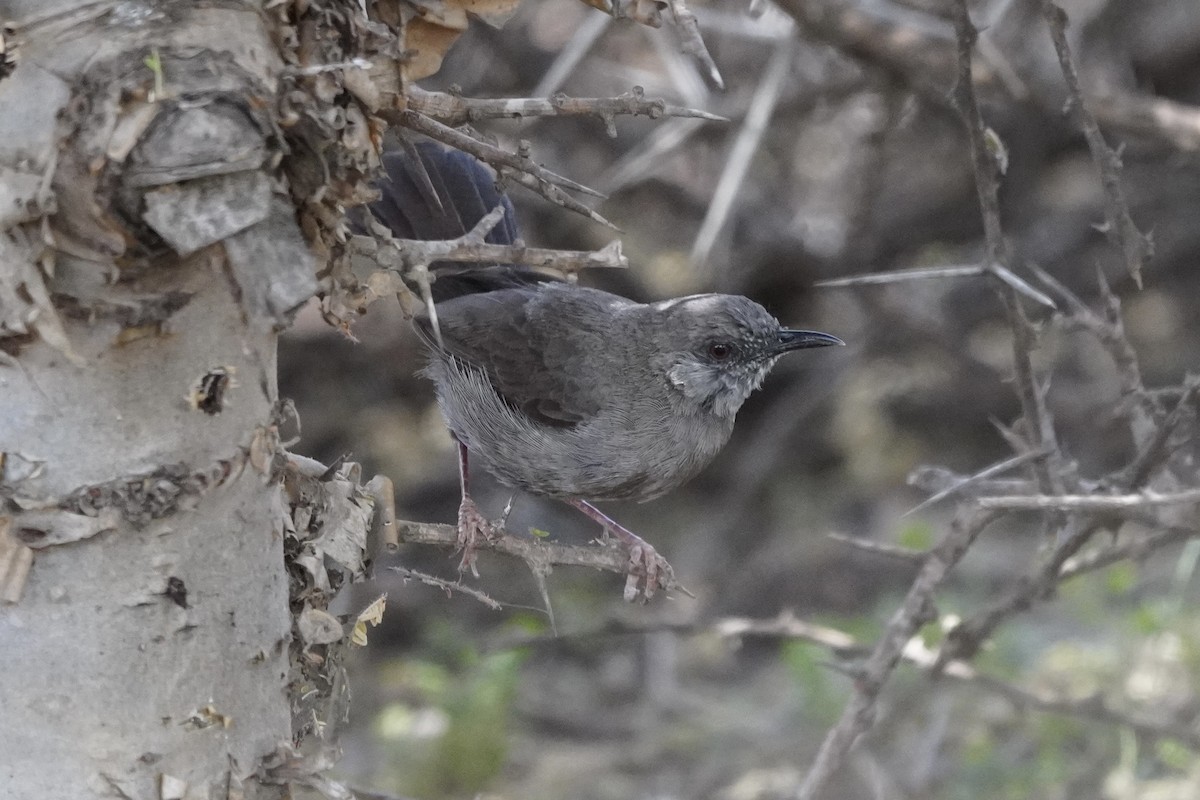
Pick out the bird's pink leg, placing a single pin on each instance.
(646, 566)
(472, 524)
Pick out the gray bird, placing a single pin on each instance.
(575, 393)
(579, 394)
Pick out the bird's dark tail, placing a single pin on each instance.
(458, 192)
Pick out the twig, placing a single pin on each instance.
(517, 168)
(448, 586)
(581, 42)
(978, 477)
(567, 262)
(450, 109)
(899, 275)
(762, 105)
(1109, 330)
(844, 646)
(693, 42)
(880, 548)
(540, 555)
(916, 653)
(383, 492)
(998, 271)
(917, 609)
(1088, 502)
(918, 48)
(412, 258)
(1137, 548)
(1041, 431)
(1156, 450)
(1173, 123)
(1136, 247)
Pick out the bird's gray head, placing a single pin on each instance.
(720, 347)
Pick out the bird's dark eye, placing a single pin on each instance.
(720, 350)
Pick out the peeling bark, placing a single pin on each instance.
(149, 251)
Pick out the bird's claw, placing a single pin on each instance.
(648, 572)
(472, 526)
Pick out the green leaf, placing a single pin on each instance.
(916, 536)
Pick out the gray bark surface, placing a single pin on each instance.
(144, 610)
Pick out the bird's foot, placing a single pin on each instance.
(473, 526)
(648, 571)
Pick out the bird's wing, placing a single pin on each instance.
(534, 343)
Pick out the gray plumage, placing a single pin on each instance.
(570, 392)
(573, 392)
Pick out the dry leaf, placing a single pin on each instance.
(371, 615)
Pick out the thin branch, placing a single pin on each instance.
(1041, 431)
(978, 477)
(917, 609)
(1109, 330)
(693, 42)
(1136, 548)
(516, 167)
(412, 258)
(844, 646)
(1089, 502)
(899, 275)
(881, 548)
(999, 271)
(762, 106)
(1156, 451)
(452, 109)
(1168, 121)
(1136, 247)
(919, 655)
(573, 52)
(539, 554)
(449, 587)
(403, 255)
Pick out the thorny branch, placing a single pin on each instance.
(848, 649)
(917, 609)
(918, 48)
(540, 555)
(399, 260)
(1040, 430)
(1075, 511)
(1135, 246)
(454, 109)
(517, 167)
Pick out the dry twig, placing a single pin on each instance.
(1135, 246)
(762, 105)
(517, 167)
(453, 109)
(540, 555)
(917, 609)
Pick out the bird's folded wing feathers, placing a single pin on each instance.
(530, 343)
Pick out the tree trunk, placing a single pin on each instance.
(148, 254)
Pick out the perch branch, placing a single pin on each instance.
(539, 554)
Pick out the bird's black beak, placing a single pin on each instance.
(801, 340)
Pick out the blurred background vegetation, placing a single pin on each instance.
(862, 167)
